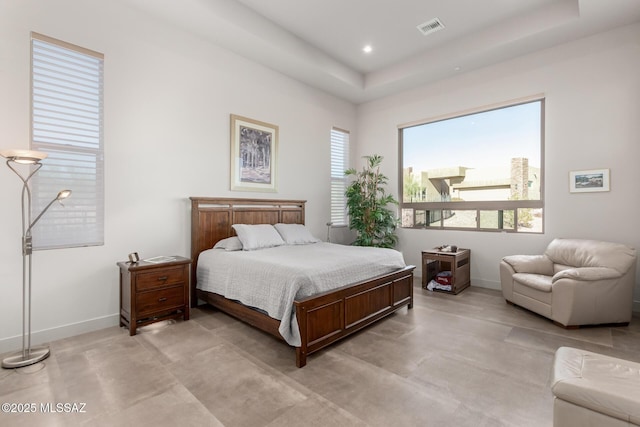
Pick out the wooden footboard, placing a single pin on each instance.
(330, 316)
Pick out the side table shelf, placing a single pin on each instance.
(458, 263)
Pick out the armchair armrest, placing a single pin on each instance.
(534, 264)
(587, 274)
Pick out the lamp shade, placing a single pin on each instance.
(26, 157)
(63, 194)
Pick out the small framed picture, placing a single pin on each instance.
(588, 181)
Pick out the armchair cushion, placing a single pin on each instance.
(540, 282)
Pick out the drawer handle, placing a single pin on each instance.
(162, 299)
(163, 278)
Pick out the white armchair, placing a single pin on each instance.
(575, 282)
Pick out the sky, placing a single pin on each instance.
(481, 140)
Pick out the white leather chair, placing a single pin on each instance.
(594, 390)
(575, 282)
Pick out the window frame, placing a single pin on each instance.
(500, 206)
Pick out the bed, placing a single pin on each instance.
(322, 318)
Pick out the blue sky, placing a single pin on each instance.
(484, 139)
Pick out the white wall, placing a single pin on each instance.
(168, 97)
(592, 94)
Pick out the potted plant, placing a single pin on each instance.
(367, 203)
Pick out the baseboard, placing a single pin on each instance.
(486, 284)
(60, 332)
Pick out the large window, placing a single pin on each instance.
(477, 171)
(339, 163)
(66, 111)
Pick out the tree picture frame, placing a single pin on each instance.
(254, 149)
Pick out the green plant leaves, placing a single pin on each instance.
(367, 203)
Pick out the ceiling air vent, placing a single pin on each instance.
(430, 26)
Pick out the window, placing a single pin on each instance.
(339, 163)
(477, 171)
(66, 111)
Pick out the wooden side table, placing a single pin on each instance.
(458, 263)
(150, 292)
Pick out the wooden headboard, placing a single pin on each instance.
(212, 218)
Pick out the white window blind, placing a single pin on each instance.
(339, 163)
(67, 112)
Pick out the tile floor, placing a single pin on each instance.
(453, 360)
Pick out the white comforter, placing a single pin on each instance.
(270, 279)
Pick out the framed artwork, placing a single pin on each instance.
(254, 150)
(589, 181)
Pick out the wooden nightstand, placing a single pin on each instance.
(151, 292)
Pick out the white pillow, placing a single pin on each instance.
(257, 236)
(229, 244)
(295, 234)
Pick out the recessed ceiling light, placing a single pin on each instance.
(367, 49)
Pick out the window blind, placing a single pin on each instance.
(339, 163)
(67, 124)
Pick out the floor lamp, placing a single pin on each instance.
(29, 355)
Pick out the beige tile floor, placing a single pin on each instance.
(453, 360)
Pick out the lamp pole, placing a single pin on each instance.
(329, 225)
(29, 355)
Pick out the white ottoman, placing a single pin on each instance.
(591, 389)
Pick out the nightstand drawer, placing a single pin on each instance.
(161, 277)
(160, 300)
